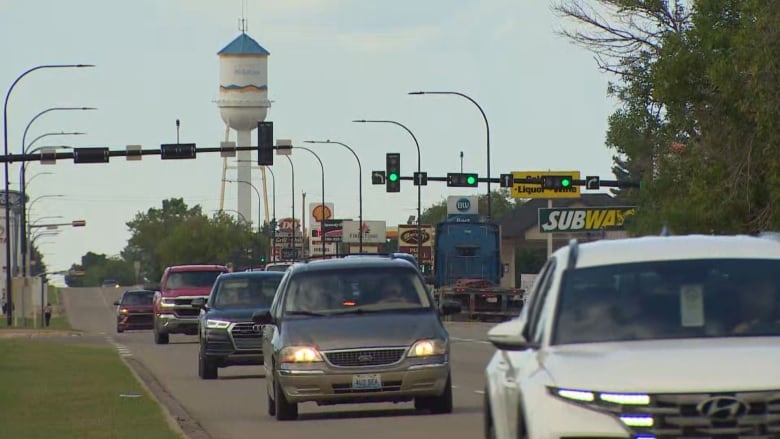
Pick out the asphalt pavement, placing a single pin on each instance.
(234, 406)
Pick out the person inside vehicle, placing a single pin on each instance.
(310, 296)
(394, 292)
(759, 309)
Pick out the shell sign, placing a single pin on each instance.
(319, 212)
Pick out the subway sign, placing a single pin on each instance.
(584, 219)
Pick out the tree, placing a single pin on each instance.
(698, 118)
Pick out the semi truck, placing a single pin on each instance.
(468, 268)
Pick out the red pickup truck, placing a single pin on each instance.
(180, 285)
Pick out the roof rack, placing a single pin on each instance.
(574, 250)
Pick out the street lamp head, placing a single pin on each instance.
(84, 65)
(89, 108)
(360, 121)
(416, 92)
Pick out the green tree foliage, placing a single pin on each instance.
(95, 268)
(699, 96)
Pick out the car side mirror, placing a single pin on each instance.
(116, 303)
(262, 318)
(508, 336)
(448, 307)
(199, 303)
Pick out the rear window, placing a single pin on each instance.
(246, 292)
(138, 298)
(191, 279)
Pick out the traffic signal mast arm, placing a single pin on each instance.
(539, 181)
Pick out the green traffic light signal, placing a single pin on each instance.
(565, 182)
(471, 179)
(393, 176)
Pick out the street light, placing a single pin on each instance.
(233, 210)
(259, 215)
(273, 183)
(322, 183)
(419, 187)
(8, 273)
(292, 197)
(487, 131)
(360, 183)
(38, 175)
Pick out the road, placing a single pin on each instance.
(234, 406)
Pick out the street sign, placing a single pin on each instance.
(506, 180)
(535, 190)
(592, 182)
(290, 253)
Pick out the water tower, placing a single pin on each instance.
(243, 101)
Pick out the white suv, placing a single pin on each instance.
(653, 337)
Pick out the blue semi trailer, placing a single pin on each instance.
(468, 268)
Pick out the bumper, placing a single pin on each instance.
(171, 324)
(335, 387)
(220, 346)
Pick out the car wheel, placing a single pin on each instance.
(438, 404)
(207, 370)
(285, 411)
(119, 330)
(160, 338)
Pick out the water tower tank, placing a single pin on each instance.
(243, 77)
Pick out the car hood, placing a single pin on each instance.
(691, 365)
(183, 292)
(234, 315)
(358, 331)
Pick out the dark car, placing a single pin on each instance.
(110, 283)
(228, 336)
(135, 310)
(353, 330)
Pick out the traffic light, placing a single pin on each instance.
(265, 143)
(421, 179)
(393, 165)
(174, 151)
(90, 155)
(507, 180)
(557, 181)
(593, 182)
(462, 180)
(262, 259)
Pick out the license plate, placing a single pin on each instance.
(492, 300)
(370, 381)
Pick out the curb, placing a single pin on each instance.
(177, 416)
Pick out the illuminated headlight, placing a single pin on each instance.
(167, 302)
(123, 310)
(300, 354)
(217, 324)
(425, 348)
(604, 399)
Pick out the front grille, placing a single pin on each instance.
(182, 301)
(736, 415)
(245, 337)
(387, 386)
(186, 312)
(140, 319)
(365, 357)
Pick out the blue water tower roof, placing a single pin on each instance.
(243, 45)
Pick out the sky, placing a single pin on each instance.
(332, 61)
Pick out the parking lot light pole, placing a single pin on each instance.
(322, 183)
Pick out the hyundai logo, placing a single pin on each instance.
(365, 358)
(723, 408)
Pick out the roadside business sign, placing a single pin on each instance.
(526, 190)
(584, 219)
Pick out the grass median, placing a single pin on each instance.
(64, 391)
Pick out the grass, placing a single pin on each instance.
(64, 391)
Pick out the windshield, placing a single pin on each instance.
(138, 298)
(356, 289)
(191, 279)
(246, 292)
(670, 299)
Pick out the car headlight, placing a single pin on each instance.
(123, 310)
(167, 303)
(300, 354)
(217, 324)
(425, 348)
(603, 400)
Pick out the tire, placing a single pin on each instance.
(119, 330)
(271, 405)
(207, 370)
(159, 337)
(437, 405)
(285, 411)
